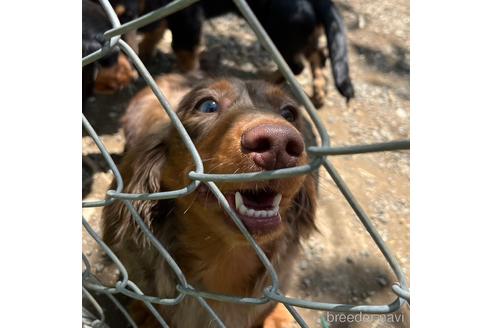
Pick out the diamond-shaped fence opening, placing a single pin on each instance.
(319, 155)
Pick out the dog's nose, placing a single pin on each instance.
(273, 146)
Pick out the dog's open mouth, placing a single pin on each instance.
(258, 210)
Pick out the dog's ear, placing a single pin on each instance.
(141, 170)
(303, 211)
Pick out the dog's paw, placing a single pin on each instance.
(318, 101)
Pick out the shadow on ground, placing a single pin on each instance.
(397, 62)
(357, 282)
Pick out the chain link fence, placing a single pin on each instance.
(319, 155)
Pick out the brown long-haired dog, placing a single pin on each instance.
(237, 127)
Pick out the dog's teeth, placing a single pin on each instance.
(243, 209)
(276, 200)
(239, 200)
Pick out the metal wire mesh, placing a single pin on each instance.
(318, 153)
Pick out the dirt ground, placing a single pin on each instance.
(341, 264)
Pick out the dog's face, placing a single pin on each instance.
(238, 127)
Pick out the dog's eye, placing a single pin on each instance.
(289, 113)
(208, 106)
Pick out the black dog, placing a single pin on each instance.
(109, 73)
(293, 25)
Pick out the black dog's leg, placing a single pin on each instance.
(317, 62)
(153, 32)
(186, 27)
(147, 48)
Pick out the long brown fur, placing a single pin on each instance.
(212, 253)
